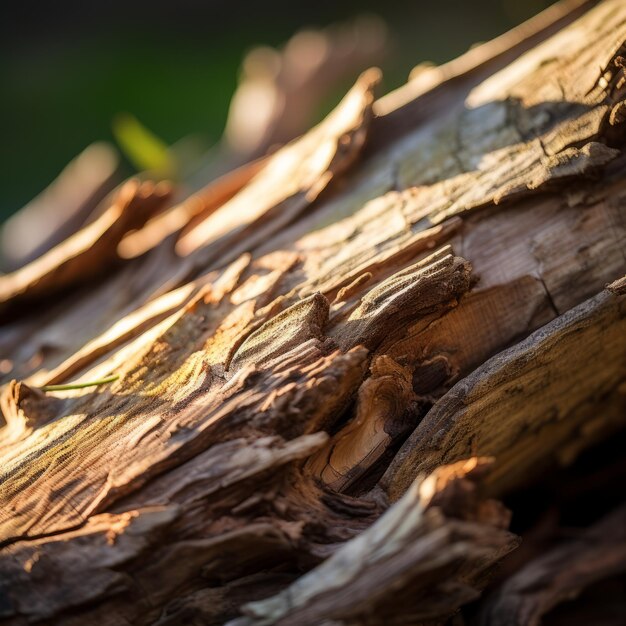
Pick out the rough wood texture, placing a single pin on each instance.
(316, 352)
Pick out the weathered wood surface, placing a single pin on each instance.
(61, 209)
(311, 348)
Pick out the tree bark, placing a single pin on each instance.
(332, 365)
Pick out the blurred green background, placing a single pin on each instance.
(68, 67)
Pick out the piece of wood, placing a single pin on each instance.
(309, 349)
(62, 208)
(525, 404)
(422, 559)
(88, 253)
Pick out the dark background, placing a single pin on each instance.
(68, 67)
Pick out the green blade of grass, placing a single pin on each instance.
(94, 383)
(144, 149)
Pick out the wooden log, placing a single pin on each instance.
(308, 360)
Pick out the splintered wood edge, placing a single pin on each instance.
(418, 543)
(485, 412)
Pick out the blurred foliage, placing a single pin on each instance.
(68, 68)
